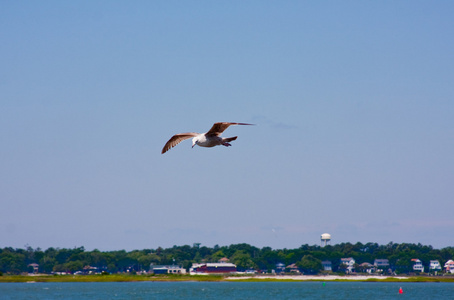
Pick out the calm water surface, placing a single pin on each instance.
(226, 290)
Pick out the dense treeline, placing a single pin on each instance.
(307, 258)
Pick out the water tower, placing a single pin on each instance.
(325, 239)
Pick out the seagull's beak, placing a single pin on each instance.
(193, 145)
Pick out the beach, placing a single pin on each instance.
(316, 277)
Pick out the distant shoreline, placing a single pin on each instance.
(321, 277)
(214, 278)
(352, 278)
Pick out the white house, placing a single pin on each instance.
(449, 266)
(349, 262)
(166, 269)
(434, 265)
(417, 265)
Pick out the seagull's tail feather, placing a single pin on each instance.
(229, 139)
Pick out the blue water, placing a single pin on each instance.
(226, 290)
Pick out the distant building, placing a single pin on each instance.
(293, 269)
(280, 268)
(381, 263)
(449, 266)
(88, 270)
(167, 269)
(417, 265)
(367, 267)
(212, 268)
(434, 265)
(35, 267)
(349, 262)
(327, 265)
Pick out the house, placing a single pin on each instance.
(224, 260)
(417, 265)
(35, 267)
(88, 270)
(166, 269)
(367, 267)
(280, 268)
(381, 263)
(449, 266)
(434, 265)
(327, 266)
(349, 263)
(293, 269)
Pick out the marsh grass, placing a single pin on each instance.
(107, 278)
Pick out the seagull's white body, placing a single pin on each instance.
(209, 139)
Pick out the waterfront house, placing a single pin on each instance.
(349, 262)
(417, 265)
(434, 265)
(367, 267)
(35, 267)
(449, 266)
(293, 269)
(88, 270)
(166, 269)
(327, 266)
(280, 268)
(381, 263)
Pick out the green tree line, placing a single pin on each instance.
(307, 258)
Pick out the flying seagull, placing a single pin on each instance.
(209, 139)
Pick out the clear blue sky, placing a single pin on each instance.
(353, 101)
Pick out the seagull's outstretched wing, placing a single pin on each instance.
(176, 139)
(219, 127)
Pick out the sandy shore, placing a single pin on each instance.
(315, 277)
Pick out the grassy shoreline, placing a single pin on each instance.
(105, 278)
(212, 278)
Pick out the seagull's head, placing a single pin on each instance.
(194, 141)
